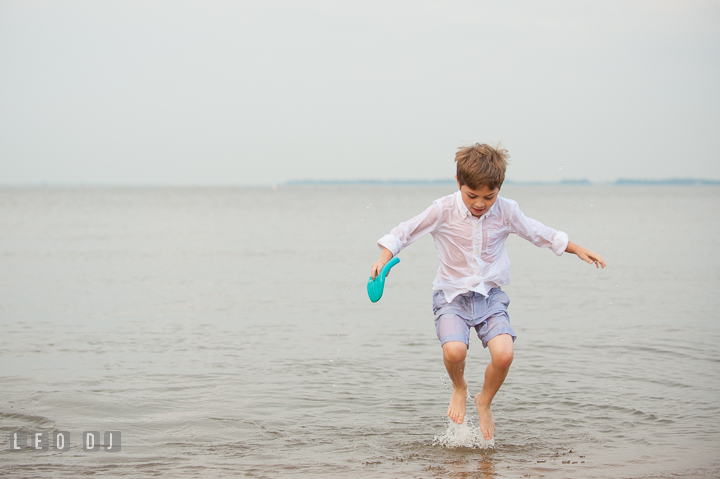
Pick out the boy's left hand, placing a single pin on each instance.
(586, 255)
(591, 257)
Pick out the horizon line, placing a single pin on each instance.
(567, 182)
(376, 182)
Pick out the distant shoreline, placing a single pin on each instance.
(618, 182)
(366, 182)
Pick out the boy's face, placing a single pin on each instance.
(480, 200)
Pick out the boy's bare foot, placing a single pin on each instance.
(487, 423)
(456, 410)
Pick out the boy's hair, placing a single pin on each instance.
(481, 165)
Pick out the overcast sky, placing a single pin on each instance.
(244, 92)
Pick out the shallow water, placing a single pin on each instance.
(227, 332)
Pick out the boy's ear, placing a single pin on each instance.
(458, 182)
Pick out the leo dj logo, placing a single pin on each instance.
(40, 441)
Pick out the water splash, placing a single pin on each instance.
(463, 435)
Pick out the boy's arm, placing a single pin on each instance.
(405, 234)
(534, 231)
(385, 256)
(585, 254)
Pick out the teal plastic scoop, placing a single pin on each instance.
(375, 287)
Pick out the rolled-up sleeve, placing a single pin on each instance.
(411, 230)
(560, 242)
(536, 232)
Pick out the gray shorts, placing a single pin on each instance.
(487, 314)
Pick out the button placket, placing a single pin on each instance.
(477, 246)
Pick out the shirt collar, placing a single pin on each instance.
(462, 209)
(465, 212)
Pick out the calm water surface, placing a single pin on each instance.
(227, 332)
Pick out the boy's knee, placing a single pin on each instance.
(454, 351)
(503, 359)
(501, 351)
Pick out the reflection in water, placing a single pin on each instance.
(486, 468)
(482, 467)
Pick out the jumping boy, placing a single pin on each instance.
(470, 228)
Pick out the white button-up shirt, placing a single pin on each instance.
(472, 250)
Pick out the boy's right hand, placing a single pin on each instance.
(377, 267)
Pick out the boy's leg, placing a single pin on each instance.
(454, 353)
(501, 357)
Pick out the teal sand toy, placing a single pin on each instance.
(375, 287)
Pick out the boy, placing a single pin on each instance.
(470, 228)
